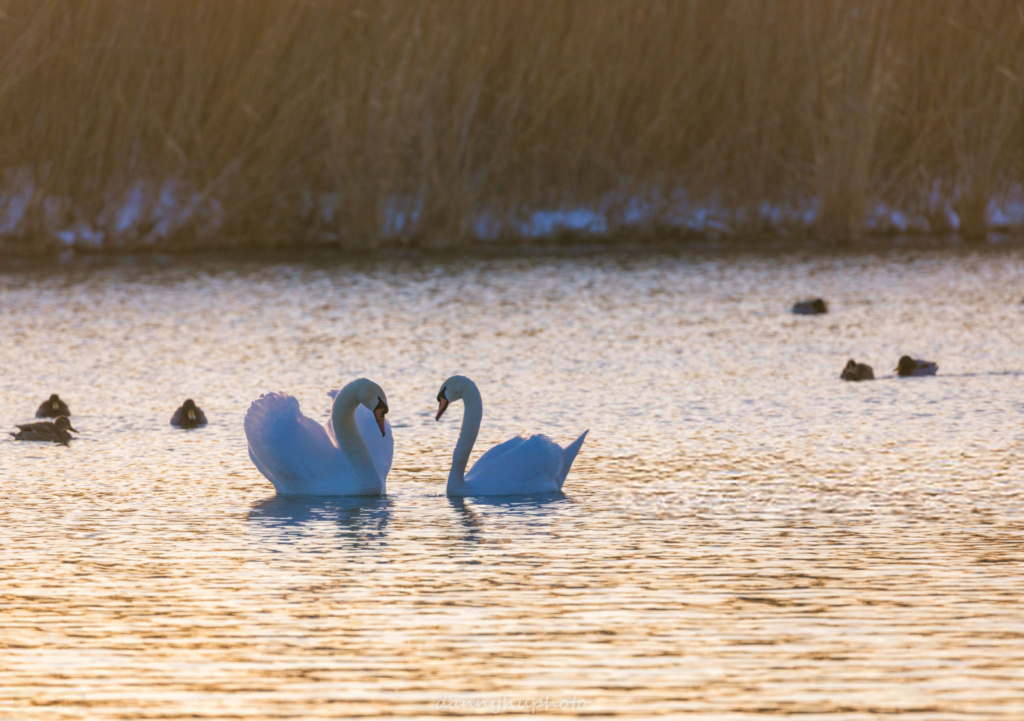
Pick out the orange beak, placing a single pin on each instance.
(379, 415)
(442, 406)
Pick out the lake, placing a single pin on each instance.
(743, 534)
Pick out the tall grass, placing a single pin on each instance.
(176, 123)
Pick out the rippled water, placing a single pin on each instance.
(742, 533)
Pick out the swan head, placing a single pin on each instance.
(63, 423)
(452, 390)
(372, 396)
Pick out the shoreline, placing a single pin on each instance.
(561, 245)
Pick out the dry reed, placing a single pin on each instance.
(183, 123)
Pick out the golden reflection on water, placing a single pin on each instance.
(742, 534)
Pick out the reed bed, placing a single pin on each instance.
(141, 124)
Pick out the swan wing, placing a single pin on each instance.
(518, 466)
(382, 449)
(294, 452)
(569, 455)
(329, 425)
(493, 454)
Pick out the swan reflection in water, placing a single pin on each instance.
(360, 519)
(537, 511)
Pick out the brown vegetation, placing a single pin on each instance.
(282, 121)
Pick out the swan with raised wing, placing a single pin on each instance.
(349, 456)
(516, 467)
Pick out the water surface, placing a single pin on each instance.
(742, 534)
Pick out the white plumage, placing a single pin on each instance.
(302, 457)
(519, 466)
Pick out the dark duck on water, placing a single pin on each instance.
(908, 367)
(855, 371)
(188, 416)
(58, 431)
(53, 408)
(815, 306)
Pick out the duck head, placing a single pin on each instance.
(63, 423)
(906, 365)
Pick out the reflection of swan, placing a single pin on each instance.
(469, 518)
(301, 457)
(504, 514)
(539, 506)
(358, 516)
(518, 466)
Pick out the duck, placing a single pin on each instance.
(907, 367)
(350, 455)
(855, 371)
(519, 466)
(58, 431)
(53, 408)
(815, 306)
(189, 415)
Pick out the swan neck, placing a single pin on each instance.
(471, 417)
(343, 416)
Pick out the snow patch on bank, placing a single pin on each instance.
(150, 214)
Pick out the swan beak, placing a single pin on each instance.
(442, 406)
(379, 415)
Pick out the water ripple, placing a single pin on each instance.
(743, 534)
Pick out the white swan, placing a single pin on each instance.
(301, 457)
(516, 467)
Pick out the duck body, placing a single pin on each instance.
(189, 415)
(855, 371)
(349, 456)
(58, 431)
(519, 466)
(53, 408)
(908, 367)
(815, 306)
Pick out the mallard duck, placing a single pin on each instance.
(855, 371)
(188, 416)
(57, 431)
(908, 366)
(815, 306)
(53, 408)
